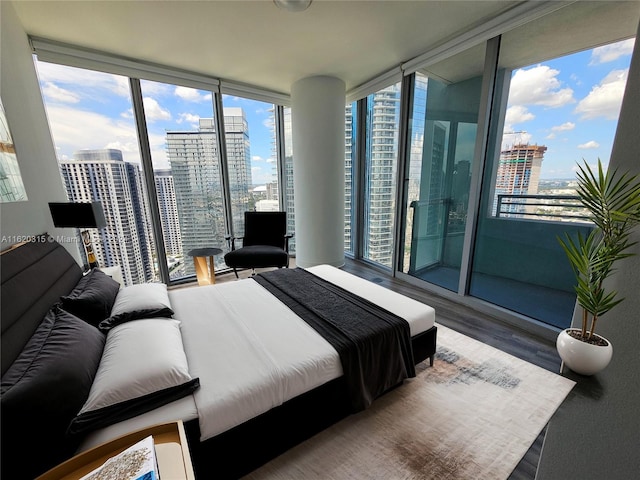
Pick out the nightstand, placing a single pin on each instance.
(172, 451)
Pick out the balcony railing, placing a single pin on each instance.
(541, 207)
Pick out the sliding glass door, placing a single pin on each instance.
(442, 136)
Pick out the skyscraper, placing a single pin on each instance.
(102, 175)
(519, 173)
(168, 208)
(383, 110)
(195, 167)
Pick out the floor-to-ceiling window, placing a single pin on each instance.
(186, 169)
(204, 159)
(553, 110)
(92, 126)
(350, 162)
(491, 146)
(381, 165)
(250, 136)
(286, 168)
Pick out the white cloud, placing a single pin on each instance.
(518, 114)
(564, 127)
(259, 159)
(74, 129)
(539, 86)
(57, 94)
(153, 111)
(589, 145)
(605, 99)
(191, 119)
(192, 95)
(157, 143)
(84, 82)
(260, 176)
(155, 89)
(611, 52)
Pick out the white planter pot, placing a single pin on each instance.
(581, 357)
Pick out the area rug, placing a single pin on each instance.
(473, 415)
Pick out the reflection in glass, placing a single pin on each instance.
(11, 186)
(443, 134)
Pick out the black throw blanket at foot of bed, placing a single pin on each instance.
(374, 345)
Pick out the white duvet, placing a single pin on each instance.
(252, 353)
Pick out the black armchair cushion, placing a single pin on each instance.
(257, 256)
(265, 228)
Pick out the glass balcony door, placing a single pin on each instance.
(442, 138)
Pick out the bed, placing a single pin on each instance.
(235, 361)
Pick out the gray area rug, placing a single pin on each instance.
(472, 416)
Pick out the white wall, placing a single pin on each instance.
(622, 324)
(30, 131)
(318, 116)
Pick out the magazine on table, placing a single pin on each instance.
(138, 462)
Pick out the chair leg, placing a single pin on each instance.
(236, 272)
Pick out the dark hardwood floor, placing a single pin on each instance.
(475, 324)
(483, 328)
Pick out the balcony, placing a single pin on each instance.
(517, 262)
(566, 208)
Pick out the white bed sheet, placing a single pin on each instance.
(252, 353)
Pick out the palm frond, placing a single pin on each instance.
(613, 202)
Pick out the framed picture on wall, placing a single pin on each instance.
(11, 186)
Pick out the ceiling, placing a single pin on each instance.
(255, 42)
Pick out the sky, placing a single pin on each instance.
(93, 110)
(570, 104)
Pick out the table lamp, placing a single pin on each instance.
(82, 216)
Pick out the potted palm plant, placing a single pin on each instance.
(613, 202)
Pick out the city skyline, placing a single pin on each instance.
(570, 104)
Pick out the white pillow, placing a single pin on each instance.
(145, 300)
(143, 366)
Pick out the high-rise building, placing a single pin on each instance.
(349, 147)
(383, 110)
(195, 167)
(168, 208)
(287, 188)
(103, 176)
(518, 173)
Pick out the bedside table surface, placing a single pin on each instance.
(172, 451)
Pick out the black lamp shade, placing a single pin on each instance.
(77, 215)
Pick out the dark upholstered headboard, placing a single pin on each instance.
(34, 277)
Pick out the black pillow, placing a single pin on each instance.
(93, 297)
(43, 390)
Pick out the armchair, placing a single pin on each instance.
(265, 242)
